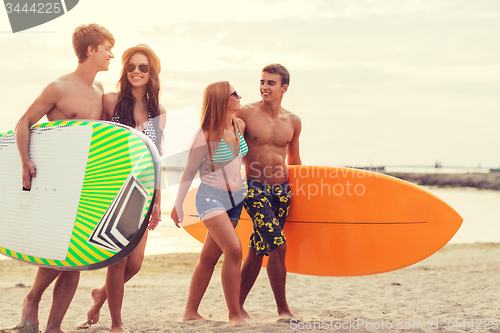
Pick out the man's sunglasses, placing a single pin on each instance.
(142, 68)
(235, 94)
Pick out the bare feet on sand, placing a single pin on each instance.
(25, 326)
(192, 316)
(30, 311)
(119, 329)
(245, 314)
(238, 321)
(235, 321)
(94, 312)
(286, 315)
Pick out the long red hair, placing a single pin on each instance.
(214, 112)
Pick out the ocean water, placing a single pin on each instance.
(167, 238)
(430, 169)
(480, 210)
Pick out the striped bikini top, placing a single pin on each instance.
(224, 154)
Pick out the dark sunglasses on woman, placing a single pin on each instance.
(142, 68)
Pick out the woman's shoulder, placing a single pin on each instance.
(110, 97)
(241, 124)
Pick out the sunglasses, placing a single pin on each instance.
(235, 94)
(142, 68)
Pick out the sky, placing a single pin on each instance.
(374, 82)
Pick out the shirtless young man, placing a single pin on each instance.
(72, 96)
(272, 135)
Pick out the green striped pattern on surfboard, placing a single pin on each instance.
(113, 153)
(6, 133)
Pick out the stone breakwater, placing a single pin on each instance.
(490, 181)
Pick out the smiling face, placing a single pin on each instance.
(270, 87)
(137, 77)
(102, 55)
(234, 100)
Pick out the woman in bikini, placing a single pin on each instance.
(219, 204)
(136, 104)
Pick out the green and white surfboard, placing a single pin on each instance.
(90, 201)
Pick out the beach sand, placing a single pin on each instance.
(459, 282)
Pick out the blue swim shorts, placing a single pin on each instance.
(209, 198)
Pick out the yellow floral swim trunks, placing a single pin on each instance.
(268, 207)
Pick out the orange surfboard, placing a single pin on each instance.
(351, 222)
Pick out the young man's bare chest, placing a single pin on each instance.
(266, 131)
(76, 103)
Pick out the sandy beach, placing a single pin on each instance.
(454, 290)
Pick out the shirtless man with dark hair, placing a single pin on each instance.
(272, 134)
(72, 96)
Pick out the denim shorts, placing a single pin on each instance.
(209, 198)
